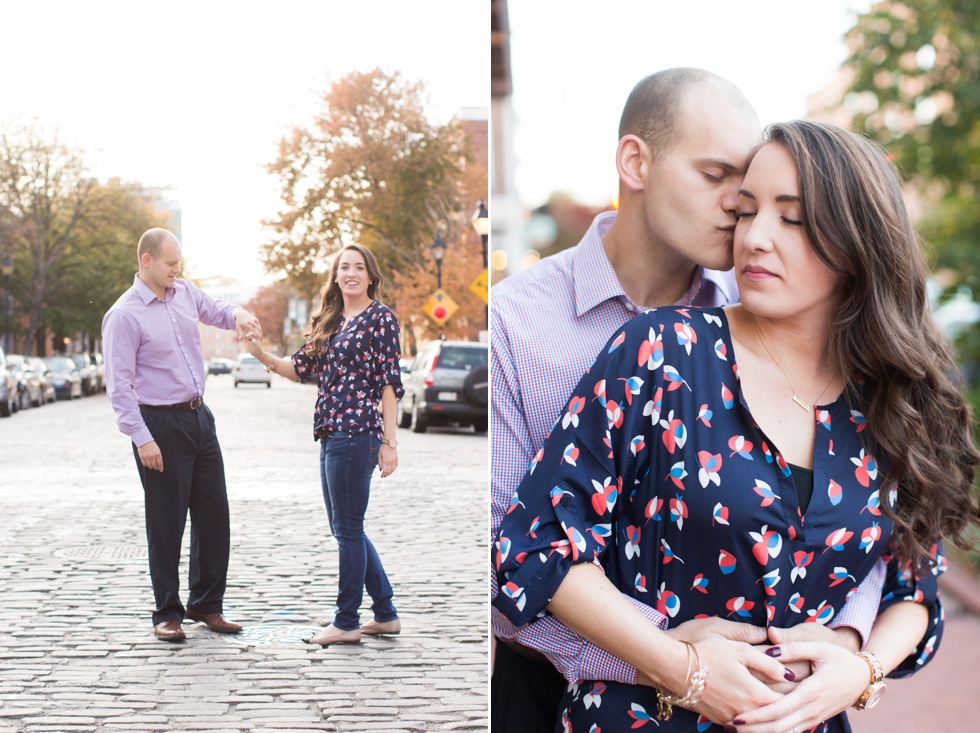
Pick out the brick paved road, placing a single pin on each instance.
(76, 648)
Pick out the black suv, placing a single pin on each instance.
(447, 385)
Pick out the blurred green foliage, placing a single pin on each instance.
(916, 90)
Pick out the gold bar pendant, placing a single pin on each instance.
(799, 400)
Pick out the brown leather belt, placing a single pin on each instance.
(192, 405)
(533, 654)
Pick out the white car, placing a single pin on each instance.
(249, 370)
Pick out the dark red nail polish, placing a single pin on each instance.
(730, 729)
(789, 675)
(774, 651)
(738, 721)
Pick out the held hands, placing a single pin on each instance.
(741, 679)
(735, 667)
(838, 679)
(731, 684)
(254, 344)
(843, 636)
(247, 325)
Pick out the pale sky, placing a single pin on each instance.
(195, 95)
(575, 62)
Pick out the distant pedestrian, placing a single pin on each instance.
(155, 379)
(352, 351)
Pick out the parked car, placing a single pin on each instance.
(218, 365)
(28, 383)
(99, 364)
(66, 377)
(86, 370)
(45, 377)
(448, 384)
(249, 370)
(8, 388)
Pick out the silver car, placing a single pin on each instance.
(8, 388)
(249, 370)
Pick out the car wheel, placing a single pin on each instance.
(268, 385)
(475, 386)
(6, 408)
(236, 385)
(419, 421)
(404, 417)
(480, 426)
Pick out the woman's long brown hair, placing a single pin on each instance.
(326, 321)
(882, 335)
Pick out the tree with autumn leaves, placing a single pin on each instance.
(69, 237)
(371, 168)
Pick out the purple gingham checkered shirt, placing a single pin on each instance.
(548, 324)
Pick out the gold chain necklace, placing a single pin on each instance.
(796, 398)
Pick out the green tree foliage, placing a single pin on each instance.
(72, 239)
(370, 168)
(916, 89)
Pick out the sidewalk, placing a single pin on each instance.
(945, 695)
(77, 651)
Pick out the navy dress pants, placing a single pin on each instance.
(192, 480)
(525, 694)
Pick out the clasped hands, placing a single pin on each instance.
(247, 325)
(775, 680)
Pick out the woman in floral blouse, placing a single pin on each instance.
(754, 462)
(352, 351)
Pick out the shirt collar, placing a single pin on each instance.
(594, 276)
(596, 281)
(724, 282)
(147, 295)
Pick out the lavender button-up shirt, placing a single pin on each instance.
(152, 350)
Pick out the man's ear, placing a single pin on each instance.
(632, 161)
(145, 260)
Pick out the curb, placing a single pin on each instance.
(963, 586)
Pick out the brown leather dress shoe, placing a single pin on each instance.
(169, 631)
(214, 621)
(382, 628)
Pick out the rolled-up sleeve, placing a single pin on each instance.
(386, 348)
(904, 584)
(305, 365)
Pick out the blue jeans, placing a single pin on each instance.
(347, 461)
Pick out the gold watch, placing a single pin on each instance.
(393, 442)
(876, 689)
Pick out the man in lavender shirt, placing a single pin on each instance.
(155, 380)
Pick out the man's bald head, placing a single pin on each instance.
(653, 110)
(152, 242)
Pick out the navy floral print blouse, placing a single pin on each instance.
(359, 362)
(657, 470)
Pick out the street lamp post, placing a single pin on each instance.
(438, 250)
(7, 268)
(481, 223)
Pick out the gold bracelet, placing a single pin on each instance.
(665, 699)
(275, 365)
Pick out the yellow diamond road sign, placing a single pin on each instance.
(440, 307)
(479, 286)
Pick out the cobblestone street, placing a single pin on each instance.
(77, 651)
